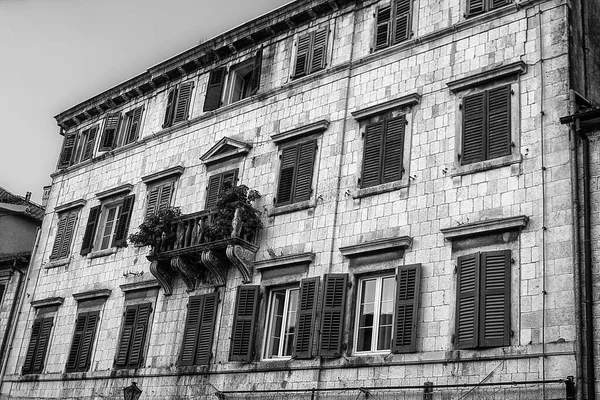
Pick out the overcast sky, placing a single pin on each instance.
(57, 53)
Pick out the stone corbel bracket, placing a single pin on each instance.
(163, 273)
(243, 259)
(187, 272)
(214, 266)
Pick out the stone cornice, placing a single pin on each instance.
(50, 301)
(92, 294)
(149, 284)
(123, 189)
(376, 246)
(70, 206)
(484, 227)
(401, 102)
(285, 261)
(167, 173)
(481, 78)
(315, 127)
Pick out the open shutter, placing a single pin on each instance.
(60, 234)
(319, 50)
(68, 150)
(88, 341)
(229, 177)
(306, 317)
(402, 20)
(139, 335)
(256, 71)
(111, 129)
(495, 299)
(168, 121)
(244, 322)
(90, 230)
(304, 172)
(151, 208)
(302, 54)
(214, 89)
(473, 128)
(42, 347)
(372, 154)
(498, 143)
(206, 332)
(287, 174)
(190, 333)
(332, 315)
(73, 358)
(393, 149)
(467, 302)
(407, 305)
(134, 125)
(212, 191)
(68, 235)
(33, 344)
(383, 25)
(166, 191)
(123, 221)
(89, 143)
(126, 335)
(183, 102)
(475, 7)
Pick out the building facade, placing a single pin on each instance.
(417, 199)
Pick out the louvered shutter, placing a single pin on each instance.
(383, 25)
(214, 89)
(287, 174)
(42, 345)
(89, 143)
(73, 357)
(393, 149)
(184, 97)
(244, 321)
(402, 20)
(212, 190)
(139, 335)
(302, 55)
(68, 151)
(123, 221)
(473, 128)
(68, 235)
(111, 129)
(166, 192)
(319, 50)
(498, 143)
(467, 302)
(306, 317)
(304, 172)
(229, 177)
(332, 314)
(33, 344)
(2, 290)
(190, 333)
(372, 155)
(126, 335)
(256, 71)
(207, 328)
(60, 233)
(134, 125)
(88, 341)
(498, 3)
(90, 230)
(495, 299)
(407, 305)
(168, 121)
(153, 195)
(475, 7)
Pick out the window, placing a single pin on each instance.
(78, 147)
(475, 7)
(107, 225)
(295, 175)
(40, 337)
(215, 186)
(199, 330)
(383, 151)
(159, 197)
(393, 23)
(178, 104)
(486, 125)
(110, 133)
(133, 122)
(311, 53)
(64, 235)
(240, 81)
(483, 300)
(283, 307)
(131, 345)
(79, 357)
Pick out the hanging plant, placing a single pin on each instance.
(156, 228)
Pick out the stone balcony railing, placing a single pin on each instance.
(196, 259)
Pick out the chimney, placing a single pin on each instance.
(28, 196)
(46, 195)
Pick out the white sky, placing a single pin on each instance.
(57, 53)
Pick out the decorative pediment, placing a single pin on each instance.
(225, 149)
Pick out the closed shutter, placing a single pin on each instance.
(495, 299)
(306, 317)
(33, 344)
(68, 150)
(393, 149)
(126, 336)
(139, 335)
(2, 290)
(151, 208)
(212, 191)
(382, 31)
(166, 191)
(123, 221)
(498, 143)
(372, 154)
(229, 178)
(168, 121)
(60, 233)
(206, 332)
(407, 306)
(302, 54)
(68, 235)
(183, 102)
(42, 345)
(402, 20)
(83, 339)
(332, 314)
(90, 230)
(244, 321)
(89, 143)
(319, 50)
(73, 357)
(256, 71)
(214, 89)
(303, 182)
(287, 174)
(473, 128)
(498, 3)
(190, 333)
(467, 302)
(475, 7)
(134, 125)
(111, 129)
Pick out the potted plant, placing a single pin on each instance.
(158, 228)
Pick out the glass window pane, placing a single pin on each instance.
(275, 322)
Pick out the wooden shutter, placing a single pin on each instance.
(287, 175)
(214, 89)
(168, 121)
(393, 149)
(139, 335)
(302, 55)
(244, 323)
(206, 332)
(33, 344)
(68, 235)
(402, 20)
(319, 50)
(304, 173)
(475, 7)
(229, 177)
(60, 233)
(42, 345)
(190, 333)
(467, 302)
(89, 143)
(73, 357)
(332, 314)
(2, 290)
(494, 327)
(256, 71)
(212, 190)
(473, 128)
(407, 305)
(134, 125)
(68, 151)
(123, 221)
(383, 25)
(497, 3)
(153, 195)
(111, 129)
(183, 101)
(83, 339)
(166, 191)
(306, 317)
(126, 335)
(498, 143)
(90, 230)
(372, 155)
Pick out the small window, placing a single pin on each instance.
(375, 313)
(130, 350)
(475, 7)
(37, 350)
(240, 81)
(199, 330)
(178, 104)
(78, 147)
(159, 197)
(110, 133)
(216, 184)
(80, 354)
(281, 322)
(296, 173)
(393, 23)
(64, 235)
(107, 225)
(133, 122)
(311, 53)
(383, 150)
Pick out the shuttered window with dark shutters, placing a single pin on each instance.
(122, 227)
(332, 314)
(110, 133)
(392, 23)
(244, 321)
(486, 125)
(199, 330)
(159, 197)
(90, 230)
(133, 336)
(216, 184)
(107, 225)
(408, 281)
(182, 106)
(306, 317)
(79, 357)
(311, 53)
(296, 172)
(214, 90)
(64, 235)
(383, 152)
(89, 140)
(475, 7)
(133, 123)
(67, 155)
(38, 345)
(483, 300)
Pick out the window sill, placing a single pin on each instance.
(102, 253)
(383, 188)
(279, 210)
(486, 165)
(57, 263)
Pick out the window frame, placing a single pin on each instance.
(179, 104)
(211, 198)
(311, 38)
(36, 355)
(83, 341)
(392, 25)
(131, 132)
(293, 198)
(161, 187)
(126, 362)
(202, 330)
(286, 290)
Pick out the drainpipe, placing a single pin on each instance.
(13, 306)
